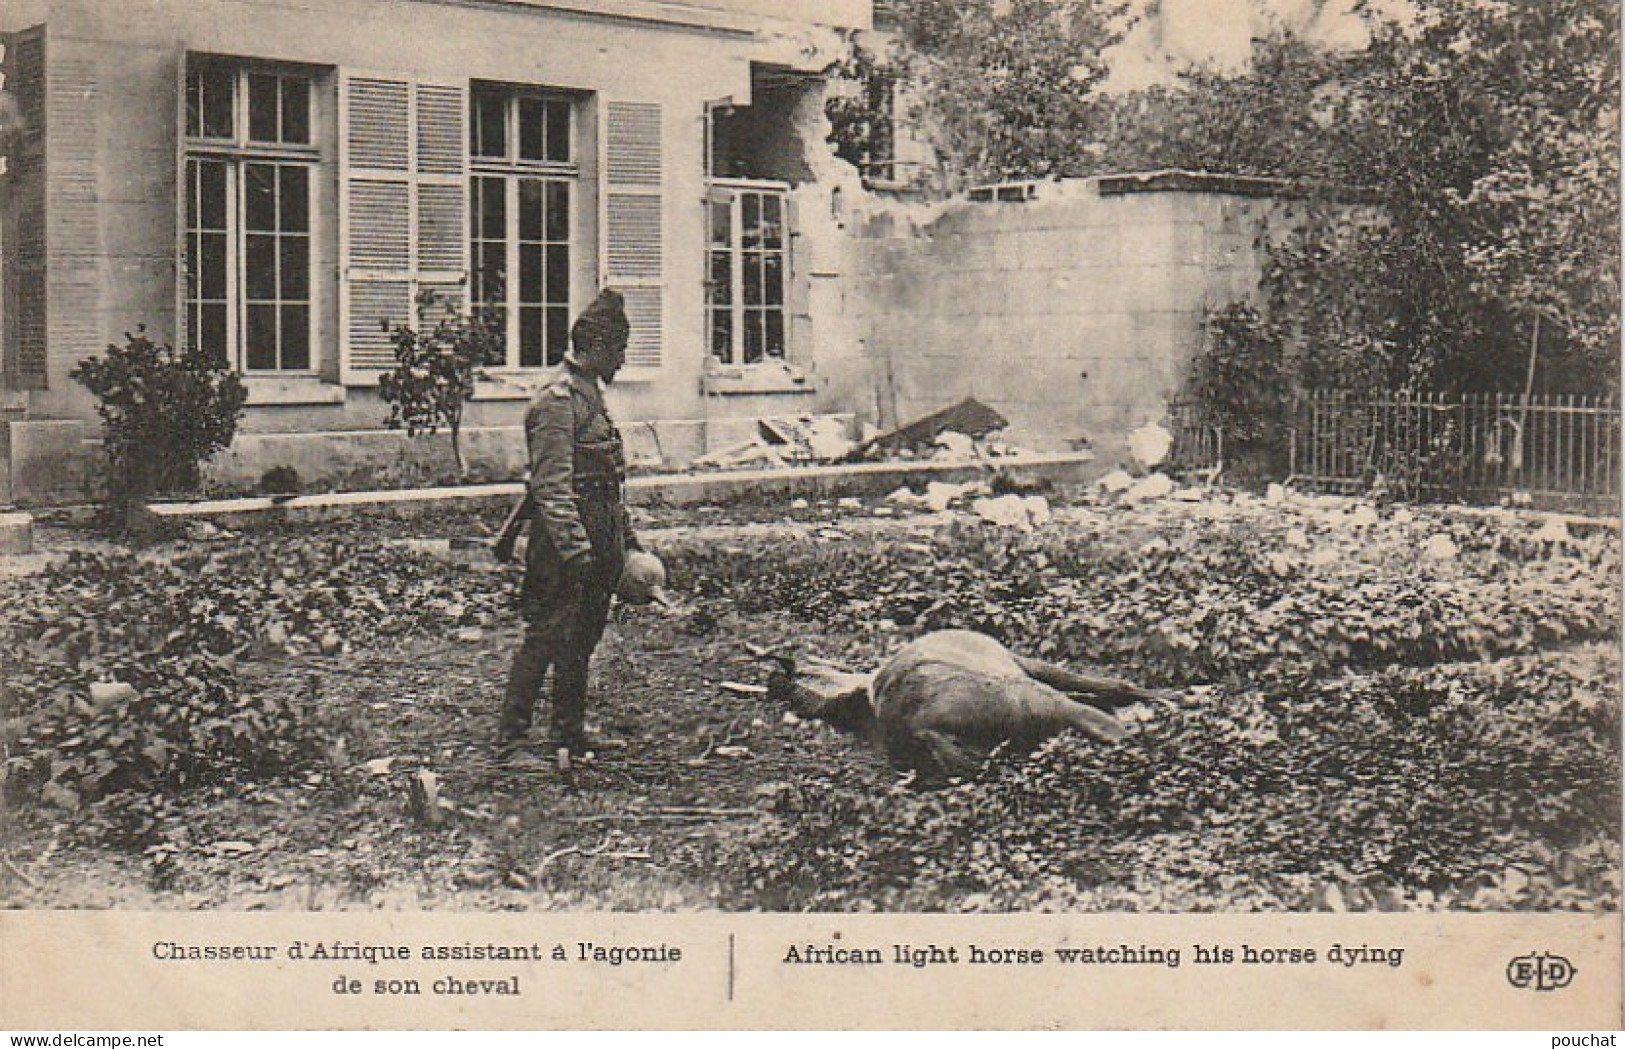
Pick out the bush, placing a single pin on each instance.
(1240, 379)
(164, 413)
(435, 371)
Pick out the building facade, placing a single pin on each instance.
(277, 183)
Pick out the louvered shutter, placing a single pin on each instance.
(25, 242)
(634, 222)
(403, 210)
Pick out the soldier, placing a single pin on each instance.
(579, 529)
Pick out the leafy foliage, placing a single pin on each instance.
(435, 371)
(1001, 89)
(1389, 792)
(164, 413)
(1240, 377)
(175, 629)
(1487, 134)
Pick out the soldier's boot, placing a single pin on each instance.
(530, 666)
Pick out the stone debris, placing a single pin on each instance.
(1014, 511)
(1150, 445)
(1440, 547)
(954, 445)
(1117, 481)
(1154, 486)
(1553, 530)
(104, 695)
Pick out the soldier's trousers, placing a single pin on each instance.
(564, 621)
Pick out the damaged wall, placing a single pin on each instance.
(1075, 314)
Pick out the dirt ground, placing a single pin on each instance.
(699, 760)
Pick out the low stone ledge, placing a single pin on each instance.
(654, 490)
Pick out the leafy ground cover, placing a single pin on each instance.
(1405, 710)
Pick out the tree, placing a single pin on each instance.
(1485, 134)
(1000, 88)
(435, 371)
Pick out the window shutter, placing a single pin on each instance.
(403, 210)
(25, 309)
(634, 222)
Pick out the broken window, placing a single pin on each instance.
(250, 171)
(521, 205)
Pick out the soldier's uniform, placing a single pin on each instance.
(577, 488)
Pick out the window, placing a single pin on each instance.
(747, 272)
(521, 195)
(251, 163)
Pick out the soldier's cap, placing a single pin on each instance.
(602, 321)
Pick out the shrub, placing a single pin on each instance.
(1241, 377)
(164, 413)
(435, 371)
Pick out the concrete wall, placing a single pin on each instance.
(112, 158)
(1074, 314)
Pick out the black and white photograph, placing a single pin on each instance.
(497, 463)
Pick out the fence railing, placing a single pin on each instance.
(1555, 451)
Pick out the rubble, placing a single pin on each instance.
(1013, 511)
(1154, 486)
(1440, 547)
(1116, 482)
(1150, 445)
(969, 418)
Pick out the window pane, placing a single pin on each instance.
(558, 333)
(530, 274)
(490, 126)
(295, 214)
(722, 335)
(531, 347)
(264, 120)
(532, 129)
(261, 337)
(192, 176)
(296, 110)
(775, 333)
(750, 221)
(721, 224)
(557, 286)
(295, 269)
(753, 336)
(194, 103)
(212, 330)
(497, 317)
(259, 198)
(260, 268)
(721, 284)
(296, 337)
(530, 209)
(212, 268)
(194, 260)
(558, 131)
(558, 211)
(218, 86)
(751, 262)
(491, 273)
(212, 194)
(773, 279)
(493, 209)
(772, 222)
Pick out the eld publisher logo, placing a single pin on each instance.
(1540, 972)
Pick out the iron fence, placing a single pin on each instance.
(1559, 451)
(1553, 451)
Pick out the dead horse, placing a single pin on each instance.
(946, 700)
